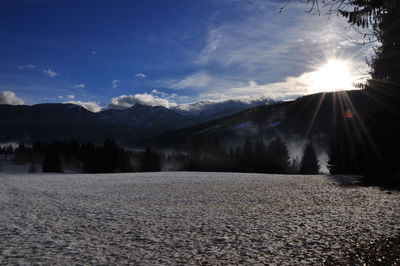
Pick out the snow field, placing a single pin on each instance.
(187, 218)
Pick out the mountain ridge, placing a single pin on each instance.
(55, 121)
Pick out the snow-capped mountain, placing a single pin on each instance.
(49, 122)
(220, 108)
(140, 116)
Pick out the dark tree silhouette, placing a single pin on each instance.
(277, 157)
(110, 156)
(150, 161)
(52, 160)
(260, 157)
(247, 158)
(309, 162)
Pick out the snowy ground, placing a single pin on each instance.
(187, 218)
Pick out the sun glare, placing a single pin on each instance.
(335, 75)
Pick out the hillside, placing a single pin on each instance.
(313, 117)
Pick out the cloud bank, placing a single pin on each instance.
(9, 97)
(126, 101)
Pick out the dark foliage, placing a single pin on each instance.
(250, 157)
(150, 161)
(52, 160)
(278, 157)
(309, 162)
(108, 158)
(7, 149)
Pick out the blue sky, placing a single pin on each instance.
(97, 52)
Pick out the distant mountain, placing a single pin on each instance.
(312, 117)
(140, 116)
(219, 108)
(49, 122)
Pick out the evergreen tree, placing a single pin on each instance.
(277, 156)
(309, 162)
(150, 161)
(110, 156)
(52, 160)
(20, 154)
(247, 158)
(260, 157)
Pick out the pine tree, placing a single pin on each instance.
(52, 160)
(278, 160)
(247, 159)
(150, 161)
(309, 162)
(260, 157)
(109, 156)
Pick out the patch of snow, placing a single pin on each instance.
(172, 218)
(274, 124)
(243, 125)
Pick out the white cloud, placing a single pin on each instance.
(126, 101)
(93, 52)
(80, 86)
(90, 106)
(197, 80)
(29, 66)
(115, 83)
(289, 88)
(71, 96)
(9, 97)
(60, 97)
(140, 75)
(164, 94)
(50, 73)
(270, 49)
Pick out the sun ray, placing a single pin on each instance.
(316, 112)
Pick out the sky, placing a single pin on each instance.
(103, 53)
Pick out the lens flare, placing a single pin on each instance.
(349, 114)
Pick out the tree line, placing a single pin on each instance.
(84, 157)
(252, 157)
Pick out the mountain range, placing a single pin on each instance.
(50, 122)
(311, 117)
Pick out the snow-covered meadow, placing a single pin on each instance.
(187, 218)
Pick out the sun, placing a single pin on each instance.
(335, 75)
